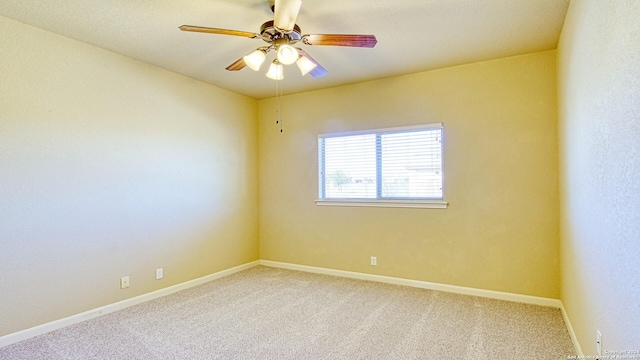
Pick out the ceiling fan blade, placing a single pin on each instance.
(285, 14)
(366, 41)
(237, 65)
(319, 71)
(218, 31)
(316, 72)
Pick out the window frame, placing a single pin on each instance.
(380, 202)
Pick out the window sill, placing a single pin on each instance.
(423, 204)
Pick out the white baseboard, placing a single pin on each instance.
(527, 299)
(572, 333)
(74, 319)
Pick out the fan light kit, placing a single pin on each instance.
(281, 34)
(255, 59)
(287, 54)
(276, 71)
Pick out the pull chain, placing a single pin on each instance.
(279, 104)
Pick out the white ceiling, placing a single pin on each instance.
(413, 35)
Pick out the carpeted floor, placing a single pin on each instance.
(268, 313)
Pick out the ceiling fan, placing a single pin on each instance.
(281, 35)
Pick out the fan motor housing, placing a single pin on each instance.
(270, 33)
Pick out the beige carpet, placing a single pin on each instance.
(267, 313)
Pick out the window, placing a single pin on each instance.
(400, 167)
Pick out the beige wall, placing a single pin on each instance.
(501, 179)
(110, 167)
(599, 127)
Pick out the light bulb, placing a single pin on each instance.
(305, 65)
(255, 59)
(287, 54)
(275, 71)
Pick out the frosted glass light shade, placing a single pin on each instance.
(275, 71)
(255, 59)
(287, 54)
(305, 65)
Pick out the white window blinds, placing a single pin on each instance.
(397, 163)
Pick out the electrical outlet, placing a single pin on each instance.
(159, 274)
(124, 282)
(598, 343)
(374, 261)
